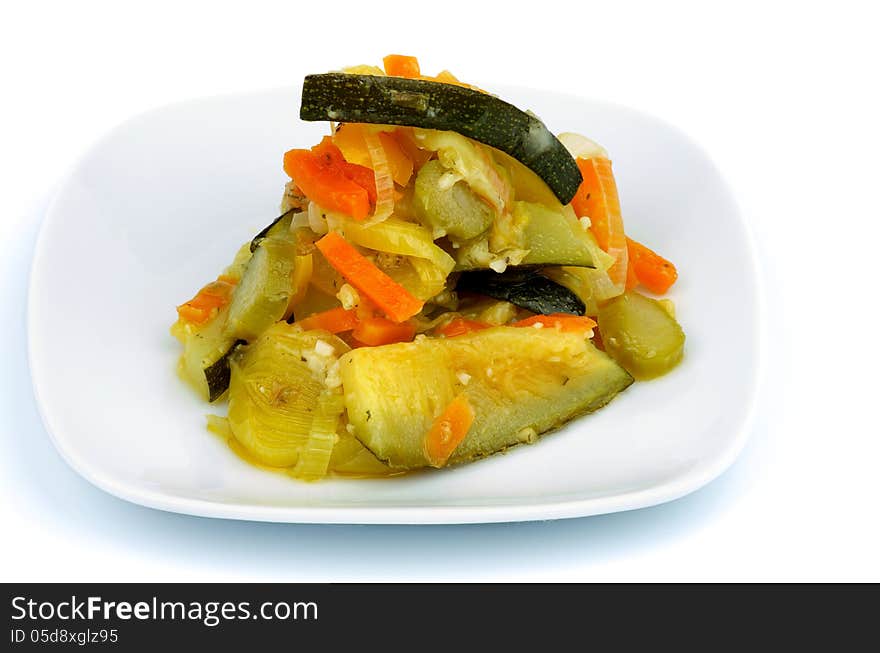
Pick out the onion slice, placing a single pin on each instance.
(384, 180)
(581, 147)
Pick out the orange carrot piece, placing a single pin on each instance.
(399, 65)
(448, 430)
(193, 315)
(562, 321)
(459, 326)
(391, 298)
(331, 155)
(632, 280)
(335, 320)
(653, 271)
(326, 184)
(597, 198)
(375, 331)
(363, 177)
(208, 301)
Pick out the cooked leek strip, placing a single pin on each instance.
(581, 147)
(397, 237)
(433, 279)
(315, 455)
(275, 386)
(420, 277)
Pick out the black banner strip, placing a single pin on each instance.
(376, 617)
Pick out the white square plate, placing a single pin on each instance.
(161, 204)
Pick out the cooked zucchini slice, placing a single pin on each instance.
(519, 382)
(549, 237)
(552, 237)
(341, 97)
(279, 227)
(261, 297)
(217, 374)
(526, 288)
(204, 363)
(452, 210)
(641, 335)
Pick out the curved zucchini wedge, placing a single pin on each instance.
(261, 297)
(550, 236)
(204, 363)
(520, 383)
(342, 97)
(217, 374)
(641, 335)
(454, 210)
(278, 227)
(525, 288)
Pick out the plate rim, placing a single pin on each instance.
(674, 488)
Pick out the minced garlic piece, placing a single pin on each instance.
(324, 348)
(348, 296)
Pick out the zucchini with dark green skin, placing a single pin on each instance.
(260, 299)
(525, 288)
(217, 374)
(278, 227)
(205, 358)
(342, 97)
(521, 383)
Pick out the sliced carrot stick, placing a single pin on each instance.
(326, 184)
(399, 65)
(562, 321)
(208, 301)
(448, 430)
(335, 320)
(459, 326)
(597, 198)
(632, 280)
(375, 331)
(653, 271)
(360, 174)
(363, 177)
(391, 298)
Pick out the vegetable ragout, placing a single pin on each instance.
(447, 279)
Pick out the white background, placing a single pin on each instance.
(783, 96)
